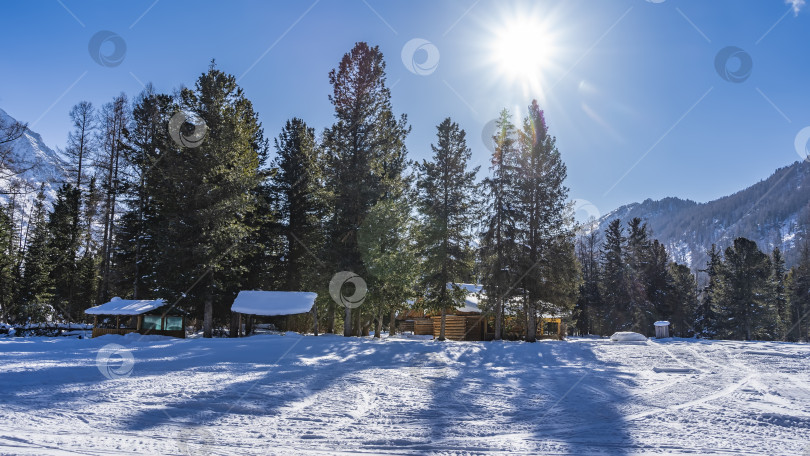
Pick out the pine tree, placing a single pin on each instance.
(446, 202)
(499, 236)
(546, 262)
(204, 196)
(365, 148)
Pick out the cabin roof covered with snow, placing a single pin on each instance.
(273, 303)
(118, 306)
(474, 295)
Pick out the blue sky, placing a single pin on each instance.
(630, 88)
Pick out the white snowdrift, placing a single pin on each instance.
(627, 336)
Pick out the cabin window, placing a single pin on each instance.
(151, 322)
(174, 323)
(551, 328)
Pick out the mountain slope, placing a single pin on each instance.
(38, 162)
(771, 212)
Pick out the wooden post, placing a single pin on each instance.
(140, 323)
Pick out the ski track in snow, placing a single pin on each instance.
(330, 395)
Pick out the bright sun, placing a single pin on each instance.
(523, 51)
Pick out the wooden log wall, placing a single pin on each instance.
(455, 326)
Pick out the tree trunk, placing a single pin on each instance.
(315, 319)
(531, 330)
(444, 319)
(330, 318)
(347, 323)
(378, 329)
(234, 324)
(498, 317)
(208, 314)
(392, 324)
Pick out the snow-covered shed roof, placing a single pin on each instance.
(271, 303)
(118, 306)
(474, 295)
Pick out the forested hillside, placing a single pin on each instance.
(770, 212)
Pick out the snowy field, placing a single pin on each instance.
(292, 394)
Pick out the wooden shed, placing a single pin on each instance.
(124, 316)
(271, 304)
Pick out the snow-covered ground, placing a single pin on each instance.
(294, 394)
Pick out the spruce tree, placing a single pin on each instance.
(658, 282)
(447, 205)
(297, 182)
(113, 120)
(778, 294)
(589, 312)
(366, 154)
(147, 138)
(62, 248)
(743, 308)
(614, 283)
(799, 295)
(8, 289)
(638, 258)
(36, 285)
(706, 322)
(682, 299)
